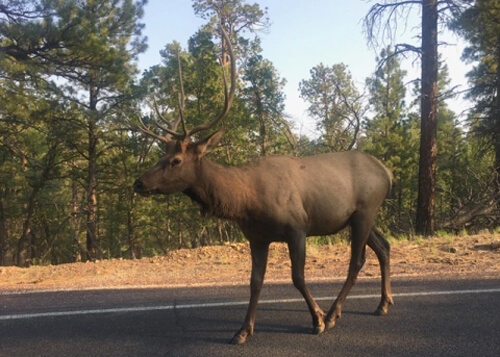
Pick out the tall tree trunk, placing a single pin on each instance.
(26, 239)
(28, 208)
(496, 121)
(76, 221)
(130, 230)
(24, 243)
(91, 194)
(3, 234)
(428, 124)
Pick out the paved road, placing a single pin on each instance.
(430, 318)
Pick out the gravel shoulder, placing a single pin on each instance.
(439, 257)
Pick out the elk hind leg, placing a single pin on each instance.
(297, 249)
(360, 231)
(381, 247)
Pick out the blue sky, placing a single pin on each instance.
(303, 34)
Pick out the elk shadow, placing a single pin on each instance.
(270, 320)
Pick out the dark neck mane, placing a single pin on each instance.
(197, 198)
(221, 191)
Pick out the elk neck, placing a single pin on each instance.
(221, 191)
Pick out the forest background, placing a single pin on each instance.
(72, 98)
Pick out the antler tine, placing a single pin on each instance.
(173, 125)
(145, 129)
(171, 130)
(228, 98)
(182, 102)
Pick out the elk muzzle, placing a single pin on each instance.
(140, 188)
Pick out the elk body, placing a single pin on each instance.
(284, 199)
(281, 199)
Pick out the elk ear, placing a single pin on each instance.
(208, 144)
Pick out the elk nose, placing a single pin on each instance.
(138, 185)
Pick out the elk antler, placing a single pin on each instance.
(228, 98)
(171, 128)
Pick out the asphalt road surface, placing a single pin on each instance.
(430, 318)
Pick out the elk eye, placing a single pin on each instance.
(176, 161)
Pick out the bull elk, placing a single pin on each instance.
(279, 199)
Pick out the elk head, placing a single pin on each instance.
(177, 169)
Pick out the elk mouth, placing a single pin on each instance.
(146, 193)
(141, 189)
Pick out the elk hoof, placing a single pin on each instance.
(240, 337)
(318, 323)
(317, 330)
(329, 324)
(238, 340)
(383, 308)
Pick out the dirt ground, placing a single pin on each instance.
(458, 256)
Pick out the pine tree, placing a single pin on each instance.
(265, 100)
(97, 65)
(382, 20)
(336, 103)
(480, 26)
(390, 136)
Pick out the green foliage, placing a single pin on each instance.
(479, 24)
(71, 103)
(266, 103)
(233, 13)
(335, 103)
(392, 135)
(55, 128)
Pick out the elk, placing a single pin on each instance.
(279, 199)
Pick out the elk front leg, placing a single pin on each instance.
(297, 248)
(260, 252)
